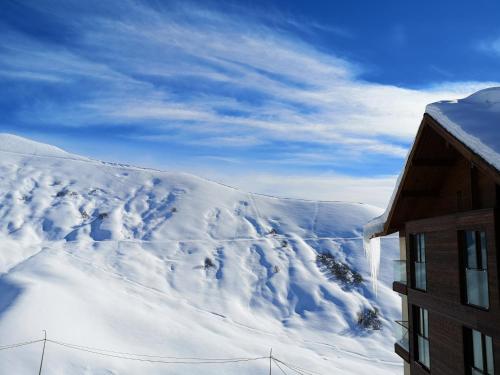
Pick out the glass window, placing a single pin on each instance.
(477, 354)
(476, 268)
(423, 354)
(481, 353)
(420, 275)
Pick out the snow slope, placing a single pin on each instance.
(112, 256)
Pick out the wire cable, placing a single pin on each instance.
(307, 372)
(12, 346)
(163, 359)
(278, 365)
(196, 362)
(296, 369)
(75, 346)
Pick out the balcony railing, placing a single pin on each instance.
(420, 276)
(400, 271)
(402, 338)
(477, 287)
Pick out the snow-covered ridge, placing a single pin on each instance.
(15, 144)
(114, 256)
(11, 143)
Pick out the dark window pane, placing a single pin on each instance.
(420, 276)
(477, 288)
(425, 323)
(489, 355)
(422, 247)
(484, 256)
(477, 350)
(476, 274)
(423, 354)
(419, 261)
(470, 243)
(482, 353)
(416, 246)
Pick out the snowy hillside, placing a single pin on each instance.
(165, 264)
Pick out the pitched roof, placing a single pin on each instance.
(474, 121)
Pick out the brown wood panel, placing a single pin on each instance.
(402, 352)
(399, 287)
(446, 341)
(447, 188)
(447, 314)
(442, 175)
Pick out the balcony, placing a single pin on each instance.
(399, 284)
(402, 345)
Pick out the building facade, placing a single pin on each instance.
(446, 210)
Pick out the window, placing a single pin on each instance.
(422, 337)
(476, 268)
(479, 353)
(419, 265)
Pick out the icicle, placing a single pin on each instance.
(372, 252)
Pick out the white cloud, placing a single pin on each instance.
(306, 95)
(202, 77)
(332, 187)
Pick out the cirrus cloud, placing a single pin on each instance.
(200, 77)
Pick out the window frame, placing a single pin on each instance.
(419, 325)
(469, 352)
(418, 256)
(462, 244)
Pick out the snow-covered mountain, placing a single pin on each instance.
(133, 260)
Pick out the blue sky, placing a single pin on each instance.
(309, 99)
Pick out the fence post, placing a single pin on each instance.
(43, 351)
(270, 361)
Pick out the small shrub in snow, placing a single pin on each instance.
(73, 194)
(368, 319)
(284, 243)
(276, 269)
(272, 232)
(61, 193)
(209, 263)
(85, 215)
(341, 271)
(103, 215)
(173, 210)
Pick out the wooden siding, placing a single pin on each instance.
(447, 314)
(439, 178)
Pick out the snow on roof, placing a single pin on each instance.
(474, 121)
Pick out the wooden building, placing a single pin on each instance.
(446, 210)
